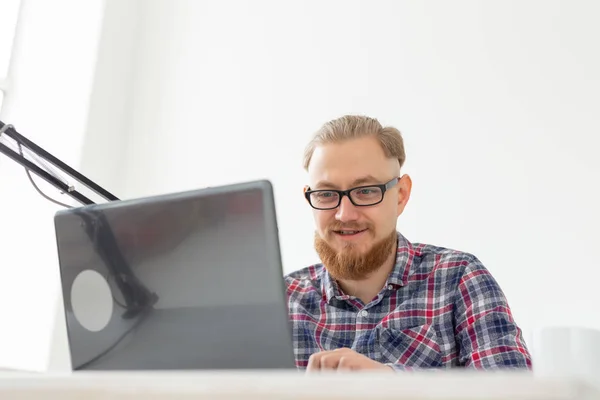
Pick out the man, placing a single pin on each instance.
(378, 301)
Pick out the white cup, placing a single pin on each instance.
(567, 352)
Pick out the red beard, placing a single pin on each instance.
(348, 264)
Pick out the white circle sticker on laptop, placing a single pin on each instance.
(91, 299)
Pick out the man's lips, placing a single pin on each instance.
(349, 232)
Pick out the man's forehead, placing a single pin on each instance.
(351, 163)
(340, 175)
(348, 182)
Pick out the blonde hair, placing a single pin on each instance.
(350, 127)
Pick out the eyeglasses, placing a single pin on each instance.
(360, 196)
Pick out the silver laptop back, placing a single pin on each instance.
(189, 280)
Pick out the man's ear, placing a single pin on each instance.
(404, 189)
(304, 190)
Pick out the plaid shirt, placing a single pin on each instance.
(439, 308)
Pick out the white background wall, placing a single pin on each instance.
(51, 72)
(498, 103)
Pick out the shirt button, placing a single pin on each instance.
(390, 287)
(364, 313)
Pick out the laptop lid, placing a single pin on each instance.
(189, 280)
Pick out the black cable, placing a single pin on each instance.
(36, 186)
(97, 357)
(134, 325)
(139, 301)
(140, 313)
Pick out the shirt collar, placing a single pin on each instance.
(404, 261)
(398, 276)
(330, 288)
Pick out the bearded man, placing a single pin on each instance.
(376, 301)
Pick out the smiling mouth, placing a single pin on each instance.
(349, 232)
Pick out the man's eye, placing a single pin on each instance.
(326, 194)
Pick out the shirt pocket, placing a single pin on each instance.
(416, 347)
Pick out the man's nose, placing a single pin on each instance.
(346, 211)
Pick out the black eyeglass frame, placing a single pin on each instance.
(341, 193)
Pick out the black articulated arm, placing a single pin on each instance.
(137, 297)
(18, 157)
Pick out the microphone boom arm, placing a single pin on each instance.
(19, 158)
(137, 297)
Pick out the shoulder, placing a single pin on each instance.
(451, 264)
(305, 281)
(460, 272)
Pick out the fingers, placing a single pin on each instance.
(346, 364)
(322, 361)
(330, 360)
(343, 359)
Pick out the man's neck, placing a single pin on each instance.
(366, 289)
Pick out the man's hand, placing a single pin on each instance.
(343, 359)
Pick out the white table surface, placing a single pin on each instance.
(267, 385)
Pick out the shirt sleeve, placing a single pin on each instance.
(486, 333)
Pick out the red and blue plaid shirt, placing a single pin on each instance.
(439, 308)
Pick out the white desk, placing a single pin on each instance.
(272, 385)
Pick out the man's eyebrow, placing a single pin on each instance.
(325, 185)
(365, 180)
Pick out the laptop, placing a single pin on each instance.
(190, 280)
